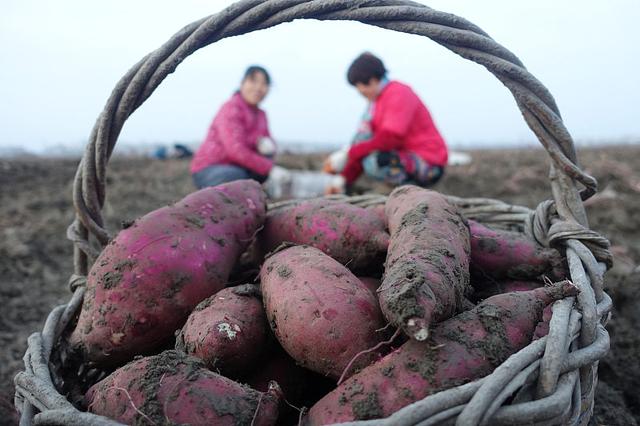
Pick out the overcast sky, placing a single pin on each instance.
(61, 59)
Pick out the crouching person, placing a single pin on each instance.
(397, 141)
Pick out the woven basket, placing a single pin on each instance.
(553, 378)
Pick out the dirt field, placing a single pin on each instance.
(36, 258)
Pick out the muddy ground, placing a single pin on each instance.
(36, 258)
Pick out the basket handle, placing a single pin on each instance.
(456, 34)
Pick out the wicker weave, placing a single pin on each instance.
(554, 377)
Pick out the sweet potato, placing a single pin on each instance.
(228, 330)
(301, 387)
(542, 329)
(427, 268)
(379, 210)
(174, 388)
(459, 350)
(321, 314)
(371, 283)
(503, 255)
(149, 278)
(487, 288)
(352, 235)
(281, 368)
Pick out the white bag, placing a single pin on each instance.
(283, 183)
(338, 159)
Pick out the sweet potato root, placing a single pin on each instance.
(427, 267)
(487, 288)
(505, 255)
(461, 349)
(352, 235)
(301, 387)
(149, 278)
(379, 210)
(371, 283)
(321, 314)
(174, 388)
(228, 330)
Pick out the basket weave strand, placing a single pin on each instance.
(553, 377)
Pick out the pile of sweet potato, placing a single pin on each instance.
(353, 312)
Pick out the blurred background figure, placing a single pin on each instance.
(238, 144)
(397, 141)
(177, 150)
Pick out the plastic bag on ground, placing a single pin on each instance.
(284, 183)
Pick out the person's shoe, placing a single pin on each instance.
(387, 158)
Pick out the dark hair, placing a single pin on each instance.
(255, 69)
(364, 68)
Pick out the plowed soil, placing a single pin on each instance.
(36, 257)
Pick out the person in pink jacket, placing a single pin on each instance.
(238, 144)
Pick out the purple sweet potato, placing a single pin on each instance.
(487, 288)
(352, 235)
(281, 368)
(427, 267)
(511, 255)
(149, 278)
(301, 387)
(321, 314)
(542, 329)
(379, 210)
(371, 283)
(228, 330)
(459, 350)
(174, 388)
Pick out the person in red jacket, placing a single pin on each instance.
(238, 144)
(397, 141)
